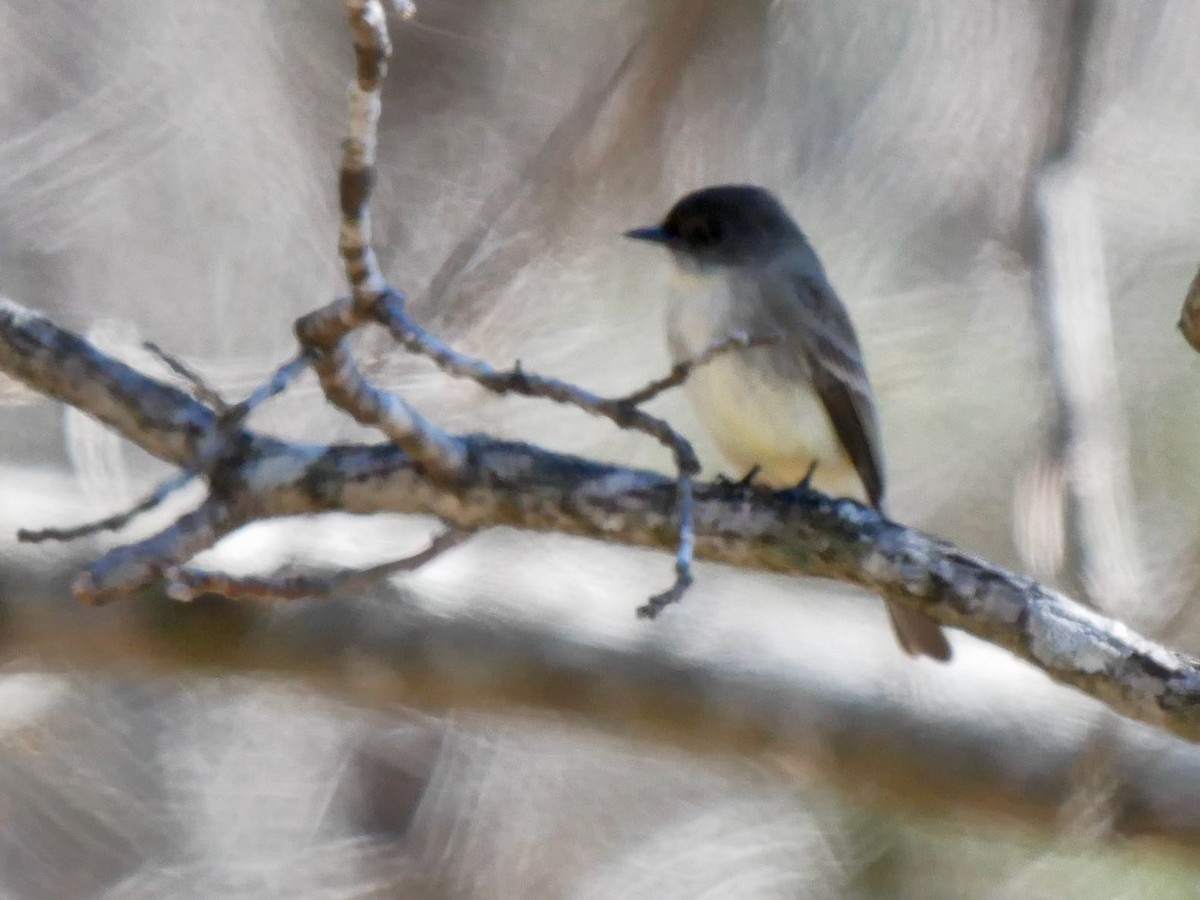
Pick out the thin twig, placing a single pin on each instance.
(230, 418)
(684, 554)
(113, 522)
(279, 381)
(201, 389)
(186, 583)
(391, 313)
(323, 333)
(683, 369)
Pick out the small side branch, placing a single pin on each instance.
(111, 523)
(279, 381)
(683, 369)
(186, 583)
(201, 389)
(127, 568)
(323, 334)
(390, 311)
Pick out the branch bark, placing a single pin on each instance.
(520, 485)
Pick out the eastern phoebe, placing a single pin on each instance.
(743, 267)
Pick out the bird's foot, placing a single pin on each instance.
(805, 483)
(740, 489)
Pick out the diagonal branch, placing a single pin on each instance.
(187, 583)
(115, 522)
(124, 569)
(523, 486)
(682, 370)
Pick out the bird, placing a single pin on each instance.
(796, 394)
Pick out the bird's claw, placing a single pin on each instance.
(740, 488)
(805, 483)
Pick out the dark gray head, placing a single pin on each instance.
(730, 224)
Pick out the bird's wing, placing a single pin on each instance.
(821, 344)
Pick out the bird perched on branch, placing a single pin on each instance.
(743, 267)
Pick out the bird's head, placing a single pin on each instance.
(728, 225)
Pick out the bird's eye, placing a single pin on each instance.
(703, 232)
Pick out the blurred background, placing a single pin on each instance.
(1005, 193)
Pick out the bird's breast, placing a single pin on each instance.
(755, 413)
(698, 311)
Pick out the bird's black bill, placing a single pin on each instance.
(654, 234)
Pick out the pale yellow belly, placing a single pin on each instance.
(754, 417)
(781, 428)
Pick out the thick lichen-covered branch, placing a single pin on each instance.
(523, 486)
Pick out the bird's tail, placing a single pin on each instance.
(918, 635)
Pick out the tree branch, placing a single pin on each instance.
(322, 333)
(474, 481)
(188, 583)
(520, 485)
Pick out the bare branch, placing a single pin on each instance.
(392, 315)
(186, 583)
(372, 47)
(683, 574)
(683, 369)
(127, 568)
(227, 422)
(441, 455)
(322, 333)
(162, 420)
(114, 522)
(518, 485)
(272, 387)
(201, 390)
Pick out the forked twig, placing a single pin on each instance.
(229, 418)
